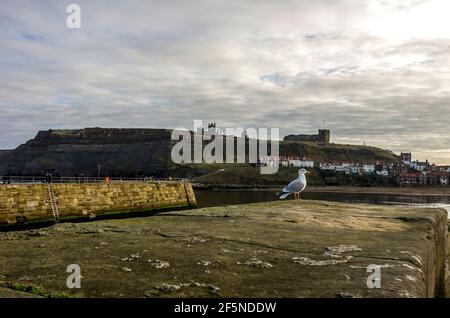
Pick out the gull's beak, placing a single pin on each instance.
(307, 172)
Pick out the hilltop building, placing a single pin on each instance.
(322, 137)
(406, 157)
(212, 129)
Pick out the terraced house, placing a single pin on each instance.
(424, 178)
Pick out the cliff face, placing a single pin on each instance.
(138, 152)
(4, 153)
(119, 152)
(337, 152)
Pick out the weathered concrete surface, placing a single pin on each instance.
(8, 293)
(276, 249)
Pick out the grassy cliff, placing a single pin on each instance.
(336, 152)
(139, 152)
(233, 175)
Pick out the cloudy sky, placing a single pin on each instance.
(374, 71)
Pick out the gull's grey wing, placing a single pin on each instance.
(295, 186)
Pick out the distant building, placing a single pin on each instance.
(284, 161)
(424, 178)
(368, 168)
(444, 179)
(301, 163)
(322, 137)
(434, 178)
(420, 166)
(346, 167)
(269, 161)
(397, 169)
(211, 130)
(327, 166)
(407, 178)
(406, 157)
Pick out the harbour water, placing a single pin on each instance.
(207, 198)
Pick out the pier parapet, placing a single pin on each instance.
(28, 203)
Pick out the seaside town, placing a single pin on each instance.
(408, 172)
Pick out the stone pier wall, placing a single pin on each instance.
(25, 203)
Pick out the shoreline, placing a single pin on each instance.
(412, 191)
(407, 191)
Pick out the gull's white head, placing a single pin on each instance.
(303, 172)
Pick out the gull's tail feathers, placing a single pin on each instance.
(284, 196)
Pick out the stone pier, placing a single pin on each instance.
(275, 249)
(30, 203)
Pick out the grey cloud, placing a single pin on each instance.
(403, 4)
(272, 64)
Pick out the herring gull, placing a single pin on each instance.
(296, 186)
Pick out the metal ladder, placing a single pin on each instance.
(187, 195)
(51, 194)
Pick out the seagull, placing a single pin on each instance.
(295, 186)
